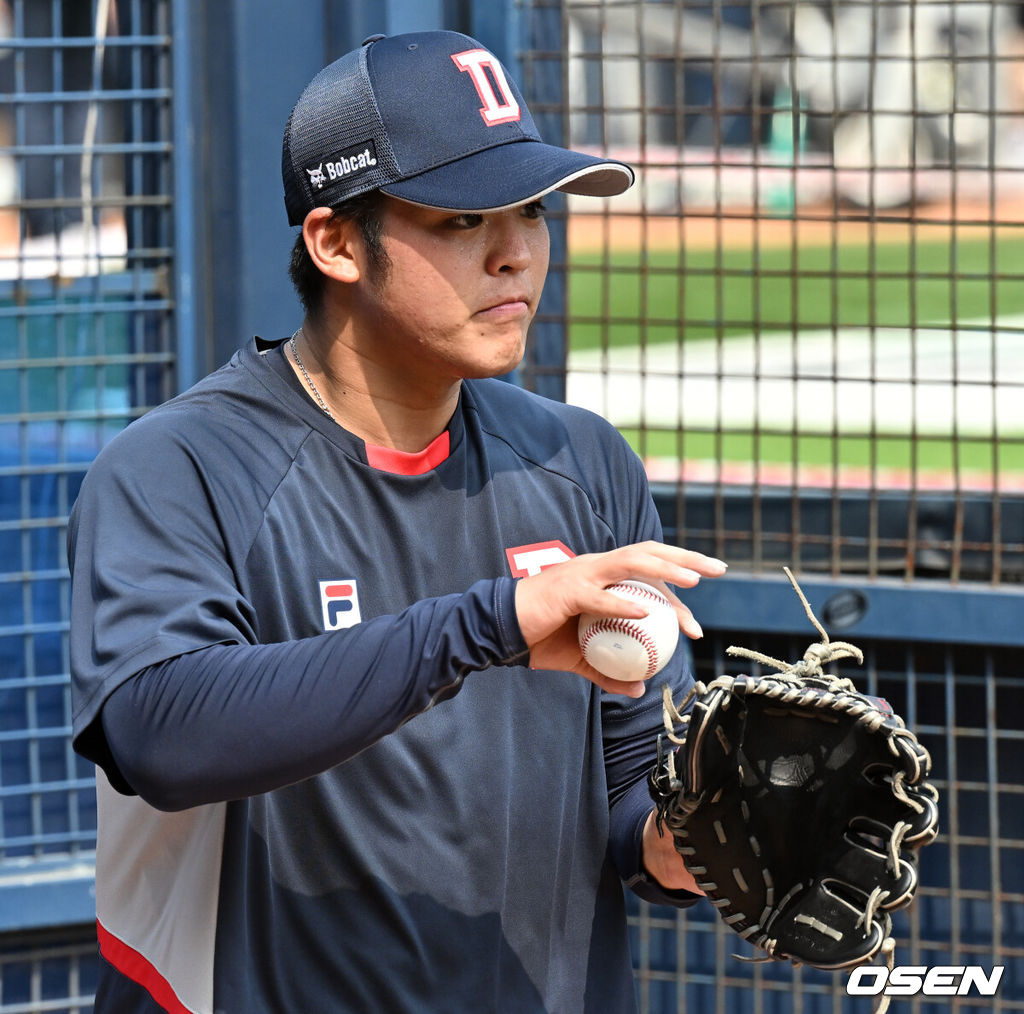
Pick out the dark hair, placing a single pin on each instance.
(309, 281)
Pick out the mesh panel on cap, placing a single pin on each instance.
(335, 113)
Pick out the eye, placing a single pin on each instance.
(465, 221)
(535, 209)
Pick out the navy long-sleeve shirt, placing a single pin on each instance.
(331, 780)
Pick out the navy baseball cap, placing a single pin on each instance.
(432, 118)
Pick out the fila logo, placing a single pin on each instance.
(525, 561)
(340, 604)
(495, 110)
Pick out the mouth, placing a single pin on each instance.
(507, 306)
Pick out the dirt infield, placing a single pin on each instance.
(742, 227)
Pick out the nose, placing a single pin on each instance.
(512, 244)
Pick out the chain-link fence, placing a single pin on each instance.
(808, 318)
(85, 346)
(817, 283)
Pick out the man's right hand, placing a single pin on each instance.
(548, 604)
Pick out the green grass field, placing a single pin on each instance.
(693, 295)
(901, 454)
(705, 294)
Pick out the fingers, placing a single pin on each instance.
(657, 565)
(550, 598)
(655, 561)
(632, 688)
(617, 607)
(688, 622)
(607, 603)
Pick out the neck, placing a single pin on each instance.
(364, 397)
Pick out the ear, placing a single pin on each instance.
(335, 245)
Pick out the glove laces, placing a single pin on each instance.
(815, 657)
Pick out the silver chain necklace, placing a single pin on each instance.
(309, 380)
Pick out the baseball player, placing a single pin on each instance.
(325, 603)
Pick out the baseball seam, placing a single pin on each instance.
(619, 626)
(642, 590)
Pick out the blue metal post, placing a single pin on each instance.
(543, 89)
(412, 16)
(186, 322)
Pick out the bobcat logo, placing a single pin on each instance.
(316, 177)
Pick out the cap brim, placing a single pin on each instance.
(510, 175)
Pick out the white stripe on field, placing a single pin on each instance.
(889, 380)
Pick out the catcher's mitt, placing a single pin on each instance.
(797, 804)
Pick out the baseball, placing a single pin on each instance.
(628, 649)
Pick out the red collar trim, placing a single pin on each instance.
(386, 459)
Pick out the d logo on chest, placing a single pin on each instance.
(525, 561)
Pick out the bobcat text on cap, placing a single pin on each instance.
(339, 166)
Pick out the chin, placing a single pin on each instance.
(493, 371)
(500, 363)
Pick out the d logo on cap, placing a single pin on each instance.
(476, 62)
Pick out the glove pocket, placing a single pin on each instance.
(827, 924)
(868, 862)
